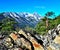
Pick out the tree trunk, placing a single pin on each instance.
(47, 24)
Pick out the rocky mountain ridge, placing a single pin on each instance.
(23, 19)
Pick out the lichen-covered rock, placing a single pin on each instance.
(57, 40)
(13, 36)
(15, 49)
(18, 42)
(22, 32)
(53, 47)
(2, 47)
(25, 43)
(7, 43)
(58, 29)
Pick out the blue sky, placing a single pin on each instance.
(31, 6)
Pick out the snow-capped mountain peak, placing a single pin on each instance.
(24, 19)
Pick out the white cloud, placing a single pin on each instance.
(40, 7)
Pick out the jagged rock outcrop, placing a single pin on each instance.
(55, 40)
(24, 40)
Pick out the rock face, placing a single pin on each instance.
(55, 43)
(23, 40)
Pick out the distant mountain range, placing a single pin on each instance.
(23, 19)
